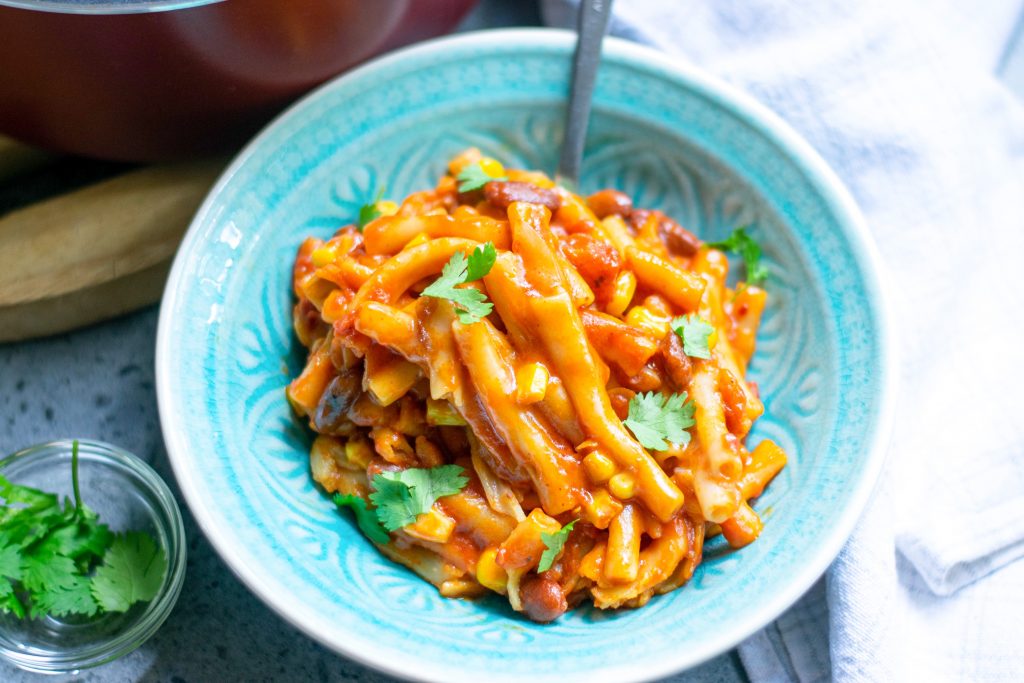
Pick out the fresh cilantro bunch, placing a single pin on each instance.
(60, 559)
(749, 250)
(470, 304)
(656, 419)
(400, 497)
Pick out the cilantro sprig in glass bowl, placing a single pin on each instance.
(92, 555)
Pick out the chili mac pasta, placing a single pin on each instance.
(519, 390)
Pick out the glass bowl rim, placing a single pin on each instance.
(158, 609)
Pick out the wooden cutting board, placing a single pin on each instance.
(96, 252)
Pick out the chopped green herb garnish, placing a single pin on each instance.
(749, 250)
(473, 177)
(401, 497)
(366, 519)
(695, 333)
(656, 419)
(369, 212)
(470, 304)
(553, 544)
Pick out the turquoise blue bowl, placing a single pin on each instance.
(671, 137)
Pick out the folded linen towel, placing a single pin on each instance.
(901, 98)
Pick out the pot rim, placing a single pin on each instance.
(105, 8)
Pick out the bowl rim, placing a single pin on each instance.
(158, 609)
(744, 107)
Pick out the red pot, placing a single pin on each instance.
(166, 79)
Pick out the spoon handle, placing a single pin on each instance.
(593, 22)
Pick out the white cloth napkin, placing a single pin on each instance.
(900, 97)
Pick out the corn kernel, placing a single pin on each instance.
(432, 526)
(417, 240)
(600, 468)
(387, 207)
(622, 293)
(492, 167)
(621, 485)
(646, 320)
(322, 256)
(489, 573)
(531, 383)
(359, 452)
(602, 509)
(713, 338)
(440, 413)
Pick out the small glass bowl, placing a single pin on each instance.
(128, 496)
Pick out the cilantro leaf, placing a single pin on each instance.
(470, 304)
(749, 250)
(695, 332)
(369, 212)
(453, 273)
(481, 261)
(9, 601)
(82, 537)
(366, 520)
(10, 571)
(75, 597)
(133, 570)
(403, 496)
(30, 500)
(473, 177)
(553, 544)
(10, 563)
(45, 570)
(654, 419)
(395, 506)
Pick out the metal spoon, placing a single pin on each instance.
(593, 22)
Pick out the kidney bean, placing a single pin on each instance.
(677, 364)
(543, 599)
(337, 398)
(604, 203)
(678, 240)
(734, 403)
(620, 398)
(504, 192)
